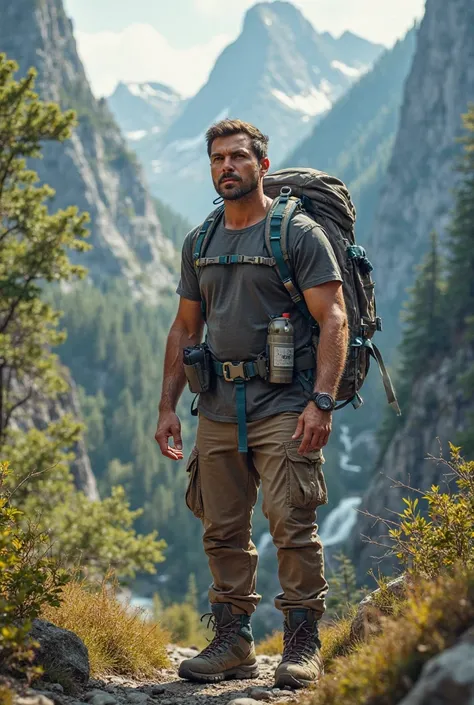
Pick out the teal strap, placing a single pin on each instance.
(354, 251)
(241, 415)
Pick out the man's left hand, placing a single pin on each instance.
(315, 426)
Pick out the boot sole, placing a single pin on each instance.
(238, 673)
(290, 681)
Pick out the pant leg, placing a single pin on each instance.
(293, 486)
(229, 485)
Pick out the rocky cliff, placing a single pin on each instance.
(417, 194)
(417, 197)
(39, 412)
(93, 170)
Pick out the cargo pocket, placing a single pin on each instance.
(305, 483)
(193, 490)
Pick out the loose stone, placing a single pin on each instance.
(260, 694)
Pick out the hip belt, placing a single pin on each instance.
(241, 372)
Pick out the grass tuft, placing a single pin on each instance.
(119, 640)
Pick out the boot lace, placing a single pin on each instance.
(223, 634)
(301, 643)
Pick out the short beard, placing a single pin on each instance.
(240, 192)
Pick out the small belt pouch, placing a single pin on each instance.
(197, 368)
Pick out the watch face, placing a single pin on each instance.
(325, 402)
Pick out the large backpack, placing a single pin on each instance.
(327, 201)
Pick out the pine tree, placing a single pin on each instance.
(33, 245)
(422, 340)
(460, 298)
(423, 317)
(343, 590)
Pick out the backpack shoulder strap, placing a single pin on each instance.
(205, 232)
(201, 242)
(276, 241)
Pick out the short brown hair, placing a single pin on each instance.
(228, 127)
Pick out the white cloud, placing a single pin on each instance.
(141, 53)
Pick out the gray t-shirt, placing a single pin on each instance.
(240, 301)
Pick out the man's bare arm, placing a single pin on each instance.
(326, 304)
(186, 330)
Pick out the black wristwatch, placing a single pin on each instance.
(323, 401)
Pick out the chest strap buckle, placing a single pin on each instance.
(234, 370)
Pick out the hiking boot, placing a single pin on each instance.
(301, 663)
(231, 653)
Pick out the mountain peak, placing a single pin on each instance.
(266, 14)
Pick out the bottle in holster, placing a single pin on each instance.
(281, 350)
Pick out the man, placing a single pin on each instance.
(285, 428)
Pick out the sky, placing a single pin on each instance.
(177, 41)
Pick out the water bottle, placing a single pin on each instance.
(281, 350)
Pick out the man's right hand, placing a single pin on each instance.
(169, 425)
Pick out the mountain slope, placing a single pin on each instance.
(354, 140)
(142, 107)
(94, 169)
(279, 74)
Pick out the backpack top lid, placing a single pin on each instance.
(320, 193)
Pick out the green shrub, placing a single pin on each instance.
(182, 619)
(29, 579)
(430, 542)
(95, 535)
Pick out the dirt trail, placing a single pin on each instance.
(171, 690)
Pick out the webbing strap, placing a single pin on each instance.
(240, 400)
(387, 382)
(205, 230)
(235, 259)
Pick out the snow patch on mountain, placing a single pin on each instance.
(146, 90)
(313, 102)
(352, 71)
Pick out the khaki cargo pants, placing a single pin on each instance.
(222, 491)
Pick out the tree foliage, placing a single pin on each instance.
(34, 245)
(89, 536)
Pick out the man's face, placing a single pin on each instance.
(235, 168)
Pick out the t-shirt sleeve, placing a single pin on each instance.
(312, 255)
(188, 286)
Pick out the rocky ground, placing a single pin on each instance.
(168, 689)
